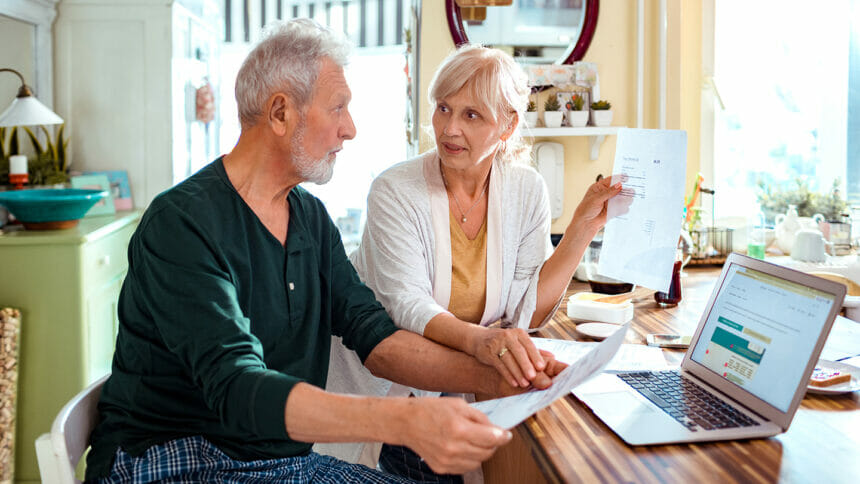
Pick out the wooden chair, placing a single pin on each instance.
(59, 451)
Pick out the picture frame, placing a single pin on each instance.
(120, 188)
(104, 206)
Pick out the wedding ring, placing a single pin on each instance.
(502, 353)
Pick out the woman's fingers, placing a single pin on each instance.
(506, 374)
(521, 359)
(510, 362)
(535, 355)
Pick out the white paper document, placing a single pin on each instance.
(507, 412)
(630, 357)
(639, 246)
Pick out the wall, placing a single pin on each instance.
(613, 48)
(16, 52)
(25, 45)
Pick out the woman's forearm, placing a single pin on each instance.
(588, 218)
(448, 330)
(557, 271)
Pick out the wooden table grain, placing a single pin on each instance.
(570, 444)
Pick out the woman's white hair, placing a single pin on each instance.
(492, 79)
(287, 60)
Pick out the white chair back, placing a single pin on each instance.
(60, 451)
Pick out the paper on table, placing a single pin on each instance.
(639, 246)
(840, 341)
(630, 357)
(507, 412)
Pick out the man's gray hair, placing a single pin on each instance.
(287, 60)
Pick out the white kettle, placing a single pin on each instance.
(789, 224)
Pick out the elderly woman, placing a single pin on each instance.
(458, 238)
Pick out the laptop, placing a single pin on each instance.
(745, 371)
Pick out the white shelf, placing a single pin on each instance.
(567, 131)
(596, 134)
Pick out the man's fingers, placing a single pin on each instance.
(542, 381)
(554, 368)
(488, 437)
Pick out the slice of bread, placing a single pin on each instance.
(825, 377)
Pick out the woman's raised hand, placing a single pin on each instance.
(511, 352)
(591, 213)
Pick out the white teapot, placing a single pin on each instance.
(789, 224)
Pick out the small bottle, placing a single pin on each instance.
(673, 297)
(756, 237)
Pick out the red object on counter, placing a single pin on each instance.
(19, 180)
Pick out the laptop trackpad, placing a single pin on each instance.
(618, 404)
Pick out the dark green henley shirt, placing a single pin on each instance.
(218, 322)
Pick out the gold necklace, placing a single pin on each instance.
(457, 202)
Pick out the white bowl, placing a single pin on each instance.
(852, 307)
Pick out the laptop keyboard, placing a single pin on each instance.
(685, 401)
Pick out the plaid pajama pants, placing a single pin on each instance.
(196, 460)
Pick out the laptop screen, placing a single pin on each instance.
(761, 332)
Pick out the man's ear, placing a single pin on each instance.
(280, 113)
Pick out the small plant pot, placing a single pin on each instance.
(531, 118)
(552, 119)
(577, 119)
(602, 117)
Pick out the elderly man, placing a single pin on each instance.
(237, 280)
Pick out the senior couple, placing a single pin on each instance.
(238, 280)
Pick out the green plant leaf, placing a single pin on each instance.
(50, 148)
(37, 146)
(14, 147)
(551, 104)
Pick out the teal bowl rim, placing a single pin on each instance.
(36, 205)
(56, 194)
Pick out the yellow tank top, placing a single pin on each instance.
(468, 273)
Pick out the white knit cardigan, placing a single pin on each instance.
(405, 252)
(405, 258)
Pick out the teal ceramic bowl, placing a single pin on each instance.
(50, 208)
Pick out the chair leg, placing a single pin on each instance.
(47, 460)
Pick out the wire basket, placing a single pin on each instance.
(10, 323)
(711, 245)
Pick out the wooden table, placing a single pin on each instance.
(570, 444)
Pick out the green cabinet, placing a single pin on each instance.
(66, 284)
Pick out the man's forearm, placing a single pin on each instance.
(447, 433)
(314, 415)
(415, 361)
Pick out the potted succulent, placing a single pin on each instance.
(601, 113)
(551, 115)
(577, 116)
(531, 115)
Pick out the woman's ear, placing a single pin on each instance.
(280, 113)
(512, 126)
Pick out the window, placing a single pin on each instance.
(784, 71)
(380, 107)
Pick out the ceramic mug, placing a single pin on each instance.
(809, 246)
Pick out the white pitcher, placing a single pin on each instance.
(787, 225)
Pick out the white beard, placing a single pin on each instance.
(315, 171)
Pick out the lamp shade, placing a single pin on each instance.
(28, 111)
